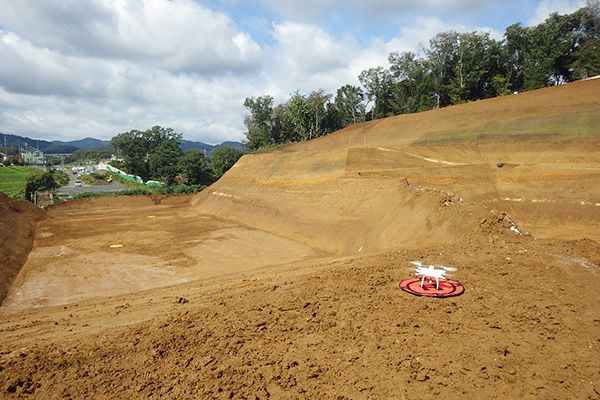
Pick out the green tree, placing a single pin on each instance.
(332, 121)
(193, 165)
(413, 89)
(584, 58)
(441, 56)
(299, 115)
(545, 54)
(317, 106)
(349, 102)
(514, 52)
(478, 60)
(259, 123)
(223, 158)
(136, 147)
(163, 161)
(44, 180)
(378, 85)
(282, 127)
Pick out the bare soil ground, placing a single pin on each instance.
(282, 279)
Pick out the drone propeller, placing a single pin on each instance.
(420, 264)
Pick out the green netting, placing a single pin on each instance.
(133, 178)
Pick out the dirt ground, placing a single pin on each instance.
(281, 280)
(17, 225)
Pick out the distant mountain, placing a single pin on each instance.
(188, 144)
(58, 146)
(86, 143)
(43, 145)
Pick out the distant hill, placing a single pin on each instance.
(187, 144)
(85, 144)
(58, 146)
(43, 145)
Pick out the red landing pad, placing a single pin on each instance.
(447, 288)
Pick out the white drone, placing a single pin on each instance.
(431, 272)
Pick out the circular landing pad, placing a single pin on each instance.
(447, 288)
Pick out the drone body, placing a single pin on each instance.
(431, 272)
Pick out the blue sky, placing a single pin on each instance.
(79, 68)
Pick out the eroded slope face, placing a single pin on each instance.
(339, 210)
(535, 155)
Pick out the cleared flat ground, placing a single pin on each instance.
(102, 247)
(281, 280)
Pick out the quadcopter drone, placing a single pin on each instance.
(431, 272)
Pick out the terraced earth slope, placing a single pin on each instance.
(281, 280)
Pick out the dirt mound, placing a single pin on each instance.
(17, 225)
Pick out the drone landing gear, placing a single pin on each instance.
(430, 281)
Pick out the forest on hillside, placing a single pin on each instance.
(453, 68)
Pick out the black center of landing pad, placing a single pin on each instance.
(447, 288)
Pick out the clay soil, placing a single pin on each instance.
(281, 280)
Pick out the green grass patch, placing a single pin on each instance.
(13, 180)
(94, 177)
(556, 127)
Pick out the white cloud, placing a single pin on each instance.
(307, 58)
(73, 69)
(547, 7)
(48, 95)
(32, 70)
(178, 35)
(307, 49)
(424, 28)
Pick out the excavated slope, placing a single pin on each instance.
(421, 178)
(17, 222)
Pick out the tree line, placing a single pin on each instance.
(453, 68)
(156, 154)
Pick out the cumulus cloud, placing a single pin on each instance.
(411, 37)
(178, 35)
(306, 57)
(547, 7)
(97, 68)
(208, 110)
(308, 49)
(35, 70)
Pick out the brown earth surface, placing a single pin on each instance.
(281, 280)
(17, 225)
